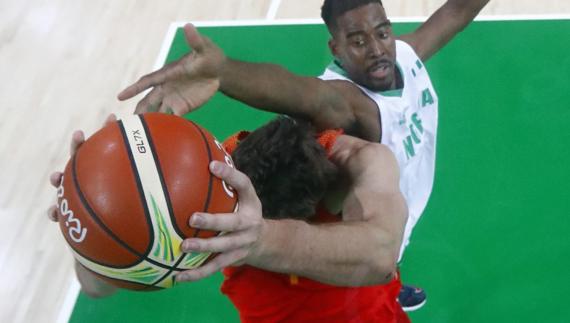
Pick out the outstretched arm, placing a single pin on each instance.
(442, 26)
(272, 88)
(188, 83)
(362, 250)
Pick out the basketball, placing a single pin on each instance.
(127, 194)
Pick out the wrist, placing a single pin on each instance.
(259, 247)
(224, 69)
(91, 284)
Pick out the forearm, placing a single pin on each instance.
(468, 7)
(464, 10)
(461, 12)
(443, 25)
(272, 88)
(265, 86)
(91, 285)
(355, 253)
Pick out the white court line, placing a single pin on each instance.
(317, 21)
(74, 288)
(273, 8)
(251, 22)
(69, 302)
(523, 17)
(166, 44)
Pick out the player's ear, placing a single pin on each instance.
(334, 51)
(333, 47)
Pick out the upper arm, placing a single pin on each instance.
(331, 106)
(442, 26)
(273, 88)
(343, 105)
(374, 194)
(374, 176)
(328, 104)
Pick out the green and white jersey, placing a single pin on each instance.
(408, 120)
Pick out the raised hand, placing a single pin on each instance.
(242, 229)
(184, 85)
(55, 178)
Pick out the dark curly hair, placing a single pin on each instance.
(332, 9)
(287, 166)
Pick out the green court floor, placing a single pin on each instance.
(494, 242)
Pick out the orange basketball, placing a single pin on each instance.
(128, 193)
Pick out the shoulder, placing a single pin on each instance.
(364, 110)
(352, 93)
(406, 53)
(336, 78)
(344, 86)
(350, 149)
(367, 165)
(404, 43)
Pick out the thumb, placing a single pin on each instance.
(238, 180)
(193, 38)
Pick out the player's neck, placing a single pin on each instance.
(398, 80)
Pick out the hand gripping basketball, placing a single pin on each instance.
(243, 229)
(127, 192)
(55, 178)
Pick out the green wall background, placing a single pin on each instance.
(493, 244)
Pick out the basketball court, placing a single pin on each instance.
(492, 245)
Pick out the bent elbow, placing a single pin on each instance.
(375, 271)
(384, 264)
(385, 270)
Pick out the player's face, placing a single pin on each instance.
(365, 46)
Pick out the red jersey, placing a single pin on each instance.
(264, 296)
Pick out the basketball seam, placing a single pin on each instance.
(210, 257)
(170, 270)
(211, 180)
(139, 189)
(111, 234)
(94, 216)
(160, 175)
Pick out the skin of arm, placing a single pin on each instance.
(91, 284)
(188, 83)
(442, 26)
(327, 104)
(337, 104)
(363, 249)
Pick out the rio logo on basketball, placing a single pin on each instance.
(75, 231)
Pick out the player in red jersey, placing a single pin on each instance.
(342, 258)
(295, 173)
